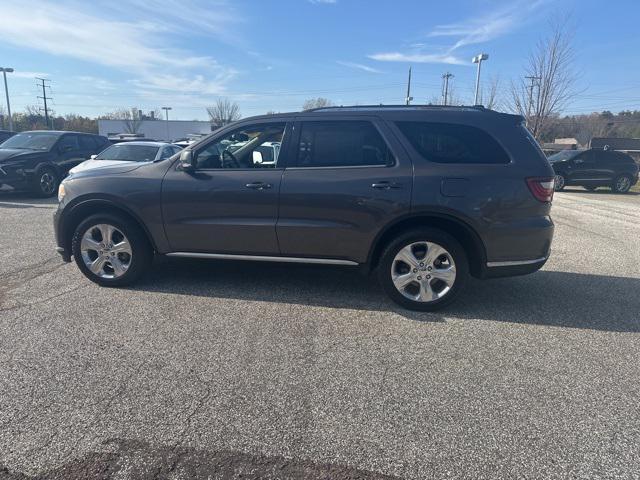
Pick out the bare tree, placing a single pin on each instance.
(550, 85)
(490, 94)
(130, 116)
(224, 112)
(319, 102)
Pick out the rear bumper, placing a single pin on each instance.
(513, 268)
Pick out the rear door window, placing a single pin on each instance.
(341, 144)
(451, 143)
(87, 143)
(69, 143)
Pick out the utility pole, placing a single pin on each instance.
(166, 111)
(44, 98)
(409, 97)
(4, 71)
(445, 87)
(533, 80)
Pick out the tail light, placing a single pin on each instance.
(541, 188)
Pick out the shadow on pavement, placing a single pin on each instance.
(25, 200)
(598, 191)
(561, 299)
(138, 460)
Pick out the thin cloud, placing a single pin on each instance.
(23, 74)
(476, 30)
(417, 58)
(470, 31)
(359, 66)
(134, 45)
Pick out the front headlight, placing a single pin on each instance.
(61, 192)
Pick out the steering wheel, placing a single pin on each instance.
(229, 160)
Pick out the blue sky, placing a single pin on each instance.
(274, 54)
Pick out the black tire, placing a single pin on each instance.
(449, 243)
(45, 182)
(560, 182)
(621, 184)
(141, 251)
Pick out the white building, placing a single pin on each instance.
(155, 129)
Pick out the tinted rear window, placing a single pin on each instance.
(342, 144)
(450, 143)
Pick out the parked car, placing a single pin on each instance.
(594, 168)
(424, 196)
(38, 160)
(128, 152)
(4, 134)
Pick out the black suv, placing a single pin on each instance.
(594, 168)
(38, 160)
(423, 195)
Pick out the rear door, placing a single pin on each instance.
(347, 178)
(69, 152)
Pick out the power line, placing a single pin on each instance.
(45, 98)
(445, 86)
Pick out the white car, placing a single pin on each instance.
(128, 152)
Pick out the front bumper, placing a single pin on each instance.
(60, 246)
(14, 176)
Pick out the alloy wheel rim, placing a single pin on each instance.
(559, 182)
(423, 271)
(106, 251)
(623, 184)
(47, 182)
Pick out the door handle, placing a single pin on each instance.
(385, 185)
(258, 185)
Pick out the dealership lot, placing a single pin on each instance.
(305, 372)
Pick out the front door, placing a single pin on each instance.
(229, 204)
(346, 180)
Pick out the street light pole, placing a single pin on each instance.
(478, 59)
(166, 111)
(6, 91)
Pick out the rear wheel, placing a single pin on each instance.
(621, 184)
(111, 251)
(45, 182)
(423, 269)
(560, 182)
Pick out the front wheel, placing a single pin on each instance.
(560, 182)
(45, 182)
(423, 269)
(622, 184)
(110, 250)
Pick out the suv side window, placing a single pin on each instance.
(242, 148)
(68, 143)
(87, 143)
(451, 143)
(342, 144)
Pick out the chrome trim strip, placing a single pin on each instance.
(514, 263)
(261, 258)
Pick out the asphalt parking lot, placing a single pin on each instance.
(264, 371)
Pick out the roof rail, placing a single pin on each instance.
(381, 107)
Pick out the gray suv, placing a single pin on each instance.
(424, 196)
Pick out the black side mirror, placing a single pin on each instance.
(186, 161)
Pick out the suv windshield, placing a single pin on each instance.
(128, 152)
(32, 141)
(564, 155)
